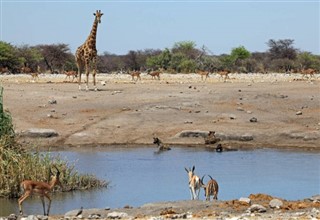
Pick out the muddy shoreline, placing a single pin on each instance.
(124, 112)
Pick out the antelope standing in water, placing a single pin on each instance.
(42, 189)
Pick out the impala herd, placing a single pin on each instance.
(136, 75)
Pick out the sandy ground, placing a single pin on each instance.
(287, 109)
(124, 112)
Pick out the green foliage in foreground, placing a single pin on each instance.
(17, 165)
(6, 127)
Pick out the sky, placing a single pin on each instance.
(144, 24)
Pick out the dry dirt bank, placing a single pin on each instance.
(286, 107)
(125, 112)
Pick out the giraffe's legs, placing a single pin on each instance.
(79, 74)
(87, 75)
(94, 64)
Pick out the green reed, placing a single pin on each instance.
(17, 164)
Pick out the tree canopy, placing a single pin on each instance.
(183, 56)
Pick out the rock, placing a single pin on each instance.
(52, 101)
(275, 203)
(12, 217)
(103, 83)
(193, 133)
(246, 137)
(299, 113)
(180, 216)
(315, 198)
(32, 217)
(117, 215)
(240, 108)
(115, 92)
(246, 200)
(253, 119)
(257, 208)
(94, 216)
(39, 133)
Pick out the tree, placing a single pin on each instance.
(226, 62)
(110, 62)
(162, 60)
(238, 55)
(29, 56)
(188, 66)
(176, 60)
(187, 48)
(131, 60)
(282, 49)
(307, 60)
(8, 56)
(55, 56)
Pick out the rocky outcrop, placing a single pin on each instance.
(222, 136)
(39, 133)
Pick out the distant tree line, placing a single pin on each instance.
(183, 57)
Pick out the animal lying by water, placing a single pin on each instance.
(211, 138)
(161, 146)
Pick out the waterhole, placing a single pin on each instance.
(138, 176)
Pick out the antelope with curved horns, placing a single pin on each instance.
(42, 189)
(211, 189)
(194, 183)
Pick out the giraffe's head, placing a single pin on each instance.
(98, 15)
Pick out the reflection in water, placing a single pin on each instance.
(139, 176)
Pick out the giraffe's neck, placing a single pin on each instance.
(93, 33)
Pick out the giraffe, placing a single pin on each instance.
(86, 54)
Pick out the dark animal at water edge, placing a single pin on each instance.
(160, 145)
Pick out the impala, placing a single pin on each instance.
(71, 74)
(25, 69)
(224, 74)
(308, 72)
(202, 74)
(211, 189)
(34, 76)
(135, 74)
(4, 70)
(154, 74)
(194, 183)
(42, 189)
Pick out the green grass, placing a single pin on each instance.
(17, 164)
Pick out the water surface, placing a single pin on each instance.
(138, 176)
